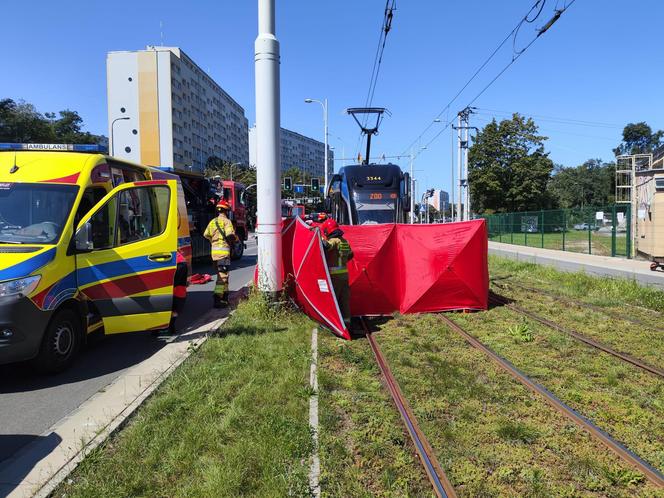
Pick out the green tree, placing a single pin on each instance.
(589, 184)
(638, 138)
(20, 122)
(508, 168)
(241, 173)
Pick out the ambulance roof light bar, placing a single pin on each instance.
(55, 147)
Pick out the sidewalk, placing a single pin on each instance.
(573, 262)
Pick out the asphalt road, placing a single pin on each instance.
(30, 404)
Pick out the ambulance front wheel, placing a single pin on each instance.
(60, 343)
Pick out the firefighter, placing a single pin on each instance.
(221, 234)
(338, 253)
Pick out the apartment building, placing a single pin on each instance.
(298, 151)
(164, 110)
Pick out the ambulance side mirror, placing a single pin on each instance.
(83, 239)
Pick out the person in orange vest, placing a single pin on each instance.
(337, 254)
(221, 234)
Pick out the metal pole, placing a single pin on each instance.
(459, 167)
(466, 189)
(113, 133)
(412, 189)
(268, 161)
(452, 170)
(232, 164)
(326, 158)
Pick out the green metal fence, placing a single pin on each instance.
(604, 230)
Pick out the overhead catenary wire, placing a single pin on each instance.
(515, 57)
(552, 119)
(477, 72)
(386, 27)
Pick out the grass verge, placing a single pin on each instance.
(232, 420)
(494, 437)
(364, 450)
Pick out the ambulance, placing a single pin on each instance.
(88, 244)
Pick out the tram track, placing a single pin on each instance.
(503, 301)
(580, 304)
(652, 474)
(436, 475)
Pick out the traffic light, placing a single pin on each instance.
(315, 184)
(288, 183)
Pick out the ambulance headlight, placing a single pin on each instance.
(23, 286)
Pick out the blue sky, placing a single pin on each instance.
(601, 63)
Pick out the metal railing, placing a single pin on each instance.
(603, 230)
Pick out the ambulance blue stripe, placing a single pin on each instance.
(28, 266)
(120, 268)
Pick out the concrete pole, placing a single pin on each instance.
(460, 191)
(268, 160)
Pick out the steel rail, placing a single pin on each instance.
(578, 336)
(441, 484)
(651, 473)
(581, 304)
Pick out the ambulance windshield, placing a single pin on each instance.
(34, 213)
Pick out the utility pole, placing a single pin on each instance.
(459, 166)
(462, 156)
(268, 167)
(412, 188)
(466, 199)
(452, 185)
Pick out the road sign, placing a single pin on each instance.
(422, 208)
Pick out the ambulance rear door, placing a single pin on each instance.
(126, 256)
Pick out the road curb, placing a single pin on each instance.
(101, 415)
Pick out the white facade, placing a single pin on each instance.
(298, 151)
(178, 116)
(440, 200)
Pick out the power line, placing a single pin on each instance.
(515, 57)
(570, 121)
(386, 27)
(484, 64)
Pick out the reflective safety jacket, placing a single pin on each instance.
(337, 254)
(221, 234)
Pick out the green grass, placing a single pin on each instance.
(231, 421)
(363, 448)
(494, 437)
(614, 293)
(575, 241)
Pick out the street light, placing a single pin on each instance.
(412, 185)
(234, 164)
(113, 135)
(324, 106)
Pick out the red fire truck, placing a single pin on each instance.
(201, 195)
(233, 193)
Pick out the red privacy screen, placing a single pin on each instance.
(405, 268)
(418, 268)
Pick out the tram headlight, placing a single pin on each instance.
(23, 286)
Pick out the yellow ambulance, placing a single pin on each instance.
(88, 243)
